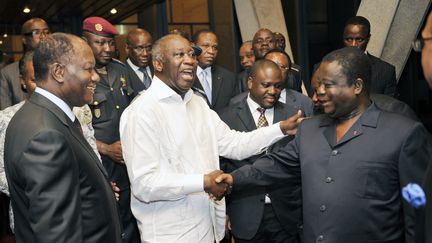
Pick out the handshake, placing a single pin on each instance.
(218, 184)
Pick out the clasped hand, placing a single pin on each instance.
(217, 184)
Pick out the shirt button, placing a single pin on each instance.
(328, 179)
(117, 107)
(320, 238)
(323, 208)
(112, 89)
(335, 152)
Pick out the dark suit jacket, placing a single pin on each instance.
(388, 103)
(293, 99)
(135, 82)
(383, 79)
(242, 79)
(245, 208)
(295, 78)
(351, 188)
(10, 86)
(60, 191)
(224, 87)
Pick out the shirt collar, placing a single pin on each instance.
(133, 66)
(207, 70)
(163, 91)
(253, 105)
(57, 101)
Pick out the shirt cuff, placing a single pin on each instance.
(277, 130)
(193, 183)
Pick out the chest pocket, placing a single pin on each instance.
(99, 108)
(376, 180)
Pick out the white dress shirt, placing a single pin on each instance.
(169, 143)
(137, 71)
(253, 106)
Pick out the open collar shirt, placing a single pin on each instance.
(169, 143)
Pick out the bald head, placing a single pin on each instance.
(34, 30)
(262, 42)
(246, 54)
(138, 47)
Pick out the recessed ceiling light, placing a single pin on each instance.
(113, 11)
(5, 35)
(26, 10)
(1, 42)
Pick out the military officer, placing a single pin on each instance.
(112, 95)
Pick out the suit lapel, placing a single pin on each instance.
(245, 116)
(137, 83)
(216, 83)
(279, 113)
(80, 138)
(62, 117)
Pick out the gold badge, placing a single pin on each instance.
(98, 27)
(97, 113)
(123, 81)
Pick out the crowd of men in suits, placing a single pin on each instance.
(155, 143)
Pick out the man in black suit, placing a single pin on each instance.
(357, 34)
(11, 92)
(138, 48)
(262, 214)
(295, 76)
(288, 96)
(351, 190)
(60, 192)
(247, 59)
(218, 84)
(425, 45)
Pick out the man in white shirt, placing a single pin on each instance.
(171, 143)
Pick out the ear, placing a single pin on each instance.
(250, 82)
(359, 86)
(57, 72)
(24, 41)
(127, 49)
(158, 65)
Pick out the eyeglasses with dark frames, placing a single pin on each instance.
(418, 44)
(38, 32)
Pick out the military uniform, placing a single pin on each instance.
(112, 95)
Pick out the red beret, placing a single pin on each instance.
(99, 26)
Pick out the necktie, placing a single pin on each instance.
(78, 126)
(146, 79)
(262, 121)
(206, 85)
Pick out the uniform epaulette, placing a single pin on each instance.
(118, 61)
(295, 69)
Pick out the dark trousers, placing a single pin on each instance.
(270, 230)
(130, 229)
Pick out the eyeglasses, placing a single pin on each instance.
(38, 32)
(140, 49)
(418, 44)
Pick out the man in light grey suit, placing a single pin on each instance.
(33, 30)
